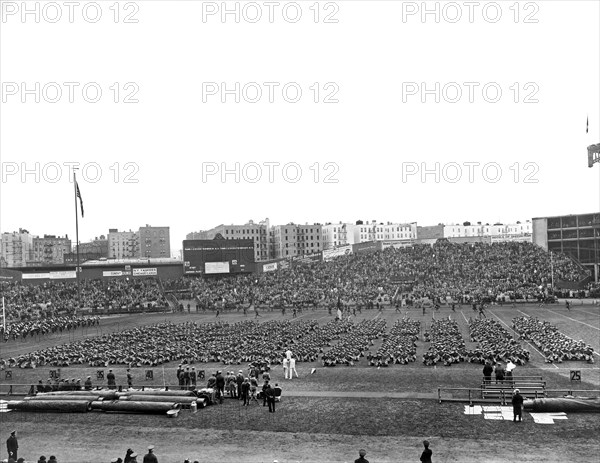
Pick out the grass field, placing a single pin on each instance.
(323, 429)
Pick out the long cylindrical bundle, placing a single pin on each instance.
(134, 407)
(104, 393)
(158, 398)
(64, 406)
(571, 405)
(174, 392)
(89, 398)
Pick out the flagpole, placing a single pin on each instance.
(3, 316)
(77, 241)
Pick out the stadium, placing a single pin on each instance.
(389, 348)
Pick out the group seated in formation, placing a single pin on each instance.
(447, 344)
(353, 345)
(45, 326)
(555, 346)
(399, 346)
(495, 343)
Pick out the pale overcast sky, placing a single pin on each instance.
(375, 61)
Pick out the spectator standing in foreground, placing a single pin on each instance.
(488, 369)
(499, 373)
(426, 455)
(361, 457)
(150, 457)
(110, 377)
(12, 445)
(517, 403)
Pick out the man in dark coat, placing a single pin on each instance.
(220, 386)
(426, 455)
(270, 393)
(12, 445)
(110, 377)
(517, 403)
(239, 380)
(488, 369)
(150, 457)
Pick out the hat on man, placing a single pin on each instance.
(516, 391)
(362, 452)
(133, 455)
(151, 447)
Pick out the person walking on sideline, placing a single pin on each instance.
(426, 455)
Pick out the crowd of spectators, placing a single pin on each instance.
(33, 301)
(354, 343)
(45, 326)
(555, 346)
(445, 271)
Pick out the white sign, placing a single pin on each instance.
(270, 267)
(35, 276)
(112, 273)
(337, 252)
(216, 267)
(63, 275)
(144, 271)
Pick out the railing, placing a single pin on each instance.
(474, 395)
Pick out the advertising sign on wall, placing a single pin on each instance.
(144, 271)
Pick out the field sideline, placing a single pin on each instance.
(324, 429)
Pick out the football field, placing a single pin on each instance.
(327, 415)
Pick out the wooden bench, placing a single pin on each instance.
(529, 390)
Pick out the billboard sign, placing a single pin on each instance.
(331, 254)
(238, 253)
(216, 267)
(139, 272)
(270, 267)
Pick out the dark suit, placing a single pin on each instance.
(517, 403)
(12, 446)
(426, 456)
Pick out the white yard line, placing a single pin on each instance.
(585, 311)
(532, 346)
(572, 319)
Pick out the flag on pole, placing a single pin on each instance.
(79, 196)
(587, 125)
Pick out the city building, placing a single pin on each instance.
(575, 235)
(258, 232)
(294, 240)
(469, 233)
(154, 242)
(343, 234)
(123, 244)
(17, 248)
(49, 250)
(90, 250)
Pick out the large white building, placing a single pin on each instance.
(17, 248)
(467, 232)
(342, 234)
(293, 240)
(123, 244)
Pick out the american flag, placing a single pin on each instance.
(78, 193)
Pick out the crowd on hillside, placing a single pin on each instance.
(555, 346)
(33, 301)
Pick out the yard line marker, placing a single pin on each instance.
(572, 319)
(464, 316)
(524, 313)
(589, 313)
(532, 346)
